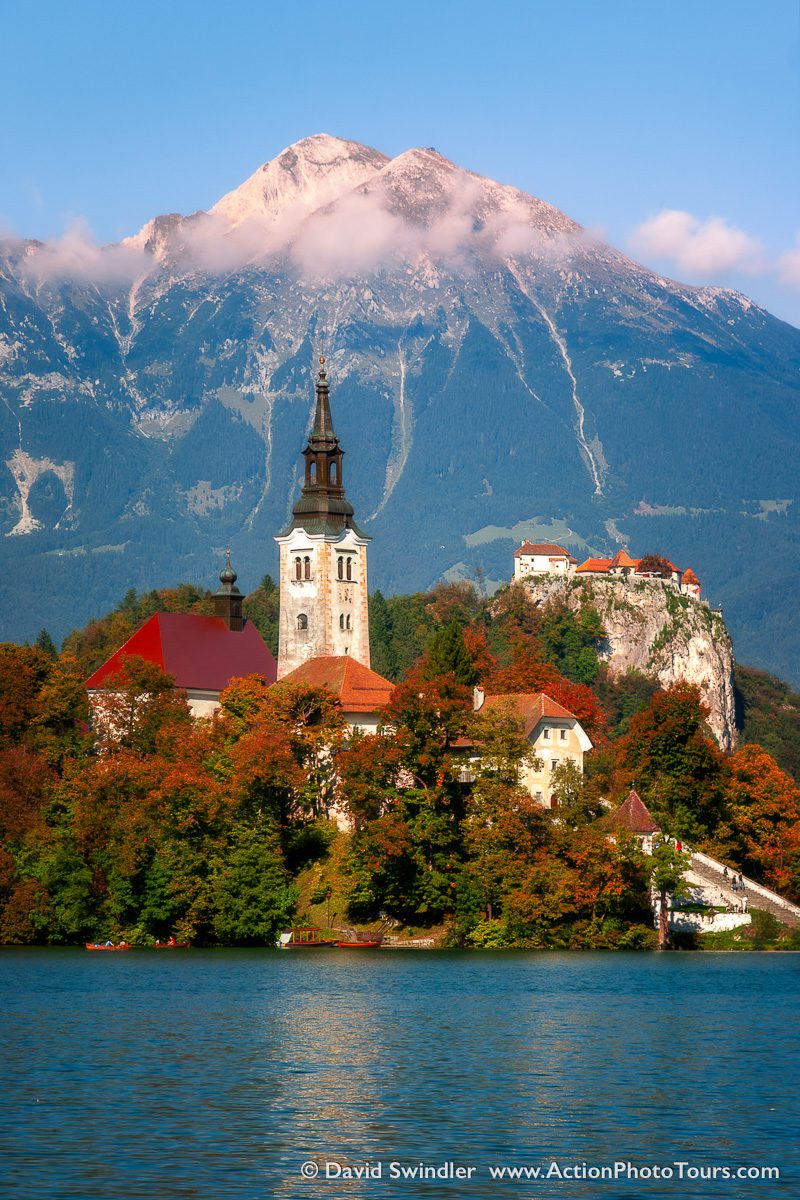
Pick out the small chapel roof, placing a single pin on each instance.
(633, 815)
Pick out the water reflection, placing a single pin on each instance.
(215, 1075)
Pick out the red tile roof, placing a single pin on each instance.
(595, 564)
(690, 577)
(200, 653)
(357, 687)
(530, 707)
(632, 815)
(623, 559)
(549, 548)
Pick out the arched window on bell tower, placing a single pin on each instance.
(298, 569)
(340, 567)
(349, 567)
(306, 567)
(302, 621)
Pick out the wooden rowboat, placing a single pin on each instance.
(308, 938)
(371, 944)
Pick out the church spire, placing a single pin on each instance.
(323, 507)
(322, 433)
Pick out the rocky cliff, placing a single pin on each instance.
(652, 628)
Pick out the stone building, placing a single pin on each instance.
(323, 558)
(555, 734)
(542, 558)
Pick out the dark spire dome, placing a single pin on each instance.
(227, 575)
(228, 599)
(323, 506)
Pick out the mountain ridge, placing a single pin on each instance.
(491, 362)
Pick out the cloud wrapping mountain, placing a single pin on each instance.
(495, 368)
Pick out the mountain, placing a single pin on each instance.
(497, 373)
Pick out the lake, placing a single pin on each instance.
(216, 1075)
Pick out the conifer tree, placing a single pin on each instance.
(381, 650)
(447, 654)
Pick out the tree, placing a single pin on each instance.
(571, 641)
(676, 769)
(46, 644)
(759, 832)
(447, 654)
(655, 564)
(381, 649)
(136, 704)
(668, 868)
(252, 894)
(262, 607)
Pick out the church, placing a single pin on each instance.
(323, 571)
(324, 617)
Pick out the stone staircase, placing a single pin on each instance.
(712, 875)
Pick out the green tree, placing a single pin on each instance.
(447, 654)
(252, 895)
(669, 867)
(381, 647)
(262, 607)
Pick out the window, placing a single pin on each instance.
(553, 764)
(332, 473)
(312, 473)
(340, 567)
(546, 734)
(307, 566)
(298, 569)
(563, 735)
(347, 622)
(302, 621)
(349, 568)
(539, 797)
(341, 620)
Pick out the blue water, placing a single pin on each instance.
(217, 1074)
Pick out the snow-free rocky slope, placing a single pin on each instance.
(496, 374)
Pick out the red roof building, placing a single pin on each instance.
(555, 734)
(594, 566)
(542, 558)
(361, 692)
(200, 653)
(632, 815)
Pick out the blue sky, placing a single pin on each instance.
(618, 113)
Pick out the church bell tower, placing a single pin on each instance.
(323, 572)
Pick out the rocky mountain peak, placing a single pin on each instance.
(302, 178)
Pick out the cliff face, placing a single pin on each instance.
(653, 629)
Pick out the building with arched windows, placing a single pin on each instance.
(323, 553)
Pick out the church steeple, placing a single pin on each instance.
(323, 506)
(228, 600)
(324, 598)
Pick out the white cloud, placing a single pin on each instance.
(699, 249)
(789, 265)
(76, 255)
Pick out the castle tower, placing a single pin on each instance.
(323, 573)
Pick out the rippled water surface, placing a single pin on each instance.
(217, 1074)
